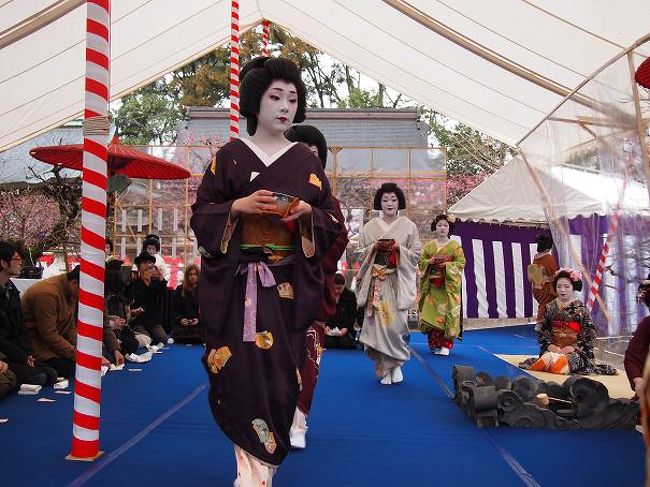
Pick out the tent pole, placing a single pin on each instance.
(234, 69)
(266, 30)
(96, 125)
(643, 143)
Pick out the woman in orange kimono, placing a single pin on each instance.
(541, 274)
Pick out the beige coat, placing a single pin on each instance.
(49, 315)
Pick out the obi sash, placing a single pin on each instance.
(266, 242)
(437, 270)
(379, 273)
(565, 333)
(267, 233)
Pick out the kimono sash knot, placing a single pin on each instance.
(254, 269)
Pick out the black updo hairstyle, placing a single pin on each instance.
(544, 242)
(577, 285)
(389, 188)
(442, 216)
(310, 135)
(256, 76)
(151, 240)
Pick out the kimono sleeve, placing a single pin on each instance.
(424, 258)
(340, 244)
(454, 272)
(409, 255)
(211, 220)
(587, 336)
(318, 237)
(413, 247)
(367, 254)
(543, 330)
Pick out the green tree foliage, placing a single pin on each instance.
(152, 113)
(148, 115)
(472, 156)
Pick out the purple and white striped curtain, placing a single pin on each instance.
(495, 283)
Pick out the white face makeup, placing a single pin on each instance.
(442, 229)
(389, 204)
(564, 289)
(278, 107)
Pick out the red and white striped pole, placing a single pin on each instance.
(234, 69)
(266, 30)
(87, 388)
(595, 283)
(611, 232)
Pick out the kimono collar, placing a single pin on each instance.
(387, 226)
(266, 159)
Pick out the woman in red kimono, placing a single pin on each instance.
(263, 221)
(315, 140)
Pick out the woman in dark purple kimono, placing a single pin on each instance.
(263, 221)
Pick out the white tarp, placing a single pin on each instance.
(499, 67)
(510, 195)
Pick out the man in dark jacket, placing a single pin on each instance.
(14, 342)
(339, 330)
(147, 292)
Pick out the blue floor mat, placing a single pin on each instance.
(157, 429)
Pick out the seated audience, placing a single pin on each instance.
(14, 342)
(7, 378)
(637, 350)
(151, 245)
(185, 305)
(339, 330)
(117, 312)
(146, 293)
(566, 333)
(49, 314)
(109, 249)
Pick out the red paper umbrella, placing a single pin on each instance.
(121, 160)
(642, 75)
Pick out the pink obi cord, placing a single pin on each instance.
(250, 303)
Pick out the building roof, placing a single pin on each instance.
(377, 127)
(16, 165)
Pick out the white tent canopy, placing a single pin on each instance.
(499, 67)
(510, 195)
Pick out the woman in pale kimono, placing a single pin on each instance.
(390, 247)
(442, 265)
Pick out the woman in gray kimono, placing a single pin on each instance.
(390, 246)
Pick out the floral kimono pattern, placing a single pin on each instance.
(440, 288)
(567, 326)
(387, 288)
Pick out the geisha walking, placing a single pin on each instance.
(442, 265)
(263, 221)
(390, 246)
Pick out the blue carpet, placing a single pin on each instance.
(157, 429)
